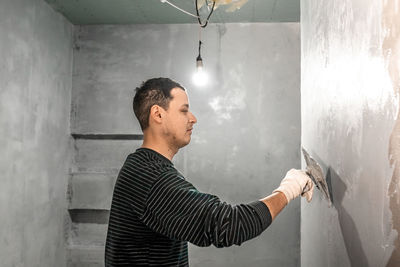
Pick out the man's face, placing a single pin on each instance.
(179, 121)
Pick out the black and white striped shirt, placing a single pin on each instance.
(155, 211)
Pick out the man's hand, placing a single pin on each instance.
(296, 183)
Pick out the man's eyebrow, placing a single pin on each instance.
(185, 105)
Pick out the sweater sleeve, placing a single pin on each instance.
(175, 208)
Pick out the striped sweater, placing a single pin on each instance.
(155, 212)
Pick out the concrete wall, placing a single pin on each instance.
(35, 95)
(247, 136)
(349, 99)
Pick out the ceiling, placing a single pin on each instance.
(82, 12)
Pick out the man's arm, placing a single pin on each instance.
(175, 208)
(275, 203)
(295, 183)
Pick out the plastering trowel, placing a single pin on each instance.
(316, 174)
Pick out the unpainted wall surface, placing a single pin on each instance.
(349, 97)
(246, 138)
(35, 97)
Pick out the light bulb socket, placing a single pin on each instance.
(199, 62)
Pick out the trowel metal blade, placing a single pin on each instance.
(316, 174)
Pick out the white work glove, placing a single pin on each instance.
(296, 183)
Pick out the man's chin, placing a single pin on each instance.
(183, 144)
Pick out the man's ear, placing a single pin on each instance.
(156, 113)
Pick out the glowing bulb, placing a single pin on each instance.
(200, 77)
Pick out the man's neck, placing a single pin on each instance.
(161, 148)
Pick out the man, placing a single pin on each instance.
(155, 211)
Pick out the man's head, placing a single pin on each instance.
(156, 91)
(162, 105)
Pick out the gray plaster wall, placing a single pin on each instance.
(350, 124)
(246, 138)
(35, 97)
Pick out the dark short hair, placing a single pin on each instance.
(156, 91)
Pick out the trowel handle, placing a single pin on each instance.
(308, 172)
(306, 188)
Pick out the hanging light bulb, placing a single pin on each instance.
(200, 77)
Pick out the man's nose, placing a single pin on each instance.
(193, 119)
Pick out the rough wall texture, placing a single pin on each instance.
(391, 50)
(248, 131)
(349, 98)
(35, 97)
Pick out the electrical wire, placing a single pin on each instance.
(200, 43)
(203, 25)
(180, 9)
